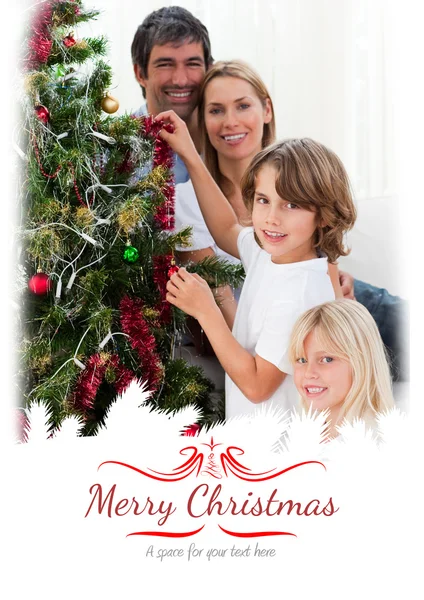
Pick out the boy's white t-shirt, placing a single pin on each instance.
(272, 299)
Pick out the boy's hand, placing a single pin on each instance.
(180, 139)
(190, 293)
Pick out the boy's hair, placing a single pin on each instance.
(239, 70)
(345, 329)
(168, 25)
(313, 177)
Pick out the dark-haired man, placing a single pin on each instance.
(171, 52)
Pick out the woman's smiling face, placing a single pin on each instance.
(235, 117)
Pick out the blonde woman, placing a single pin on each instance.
(340, 363)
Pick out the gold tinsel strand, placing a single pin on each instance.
(81, 45)
(131, 213)
(104, 356)
(49, 211)
(150, 314)
(155, 180)
(40, 364)
(110, 374)
(121, 128)
(128, 219)
(43, 243)
(193, 389)
(34, 81)
(83, 217)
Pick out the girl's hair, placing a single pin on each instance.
(239, 70)
(313, 177)
(345, 329)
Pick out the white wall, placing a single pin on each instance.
(329, 67)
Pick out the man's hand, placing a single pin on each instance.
(346, 282)
(191, 293)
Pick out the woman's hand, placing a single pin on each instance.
(180, 139)
(191, 293)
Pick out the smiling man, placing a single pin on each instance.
(171, 52)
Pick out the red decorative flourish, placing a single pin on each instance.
(229, 463)
(194, 462)
(211, 468)
(167, 533)
(141, 340)
(255, 533)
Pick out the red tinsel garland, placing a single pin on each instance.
(40, 43)
(21, 424)
(90, 379)
(89, 382)
(161, 266)
(192, 431)
(124, 377)
(127, 165)
(141, 340)
(164, 156)
(164, 216)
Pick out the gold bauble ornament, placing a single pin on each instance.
(110, 104)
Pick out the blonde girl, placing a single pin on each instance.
(340, 363)
(298, 197)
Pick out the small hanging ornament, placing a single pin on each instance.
(173, 268)
(131, 254)
(42, 113)
(110, 104)
(40, 284)
(69, 41)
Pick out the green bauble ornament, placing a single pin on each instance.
(131, 255)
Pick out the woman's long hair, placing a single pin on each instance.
(240, 70)
(345, 329)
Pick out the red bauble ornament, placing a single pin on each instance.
(69, 41)
(192, 430)
(42, 113)
(172, 270)
(40, 284)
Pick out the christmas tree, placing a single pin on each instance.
(97, 236)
